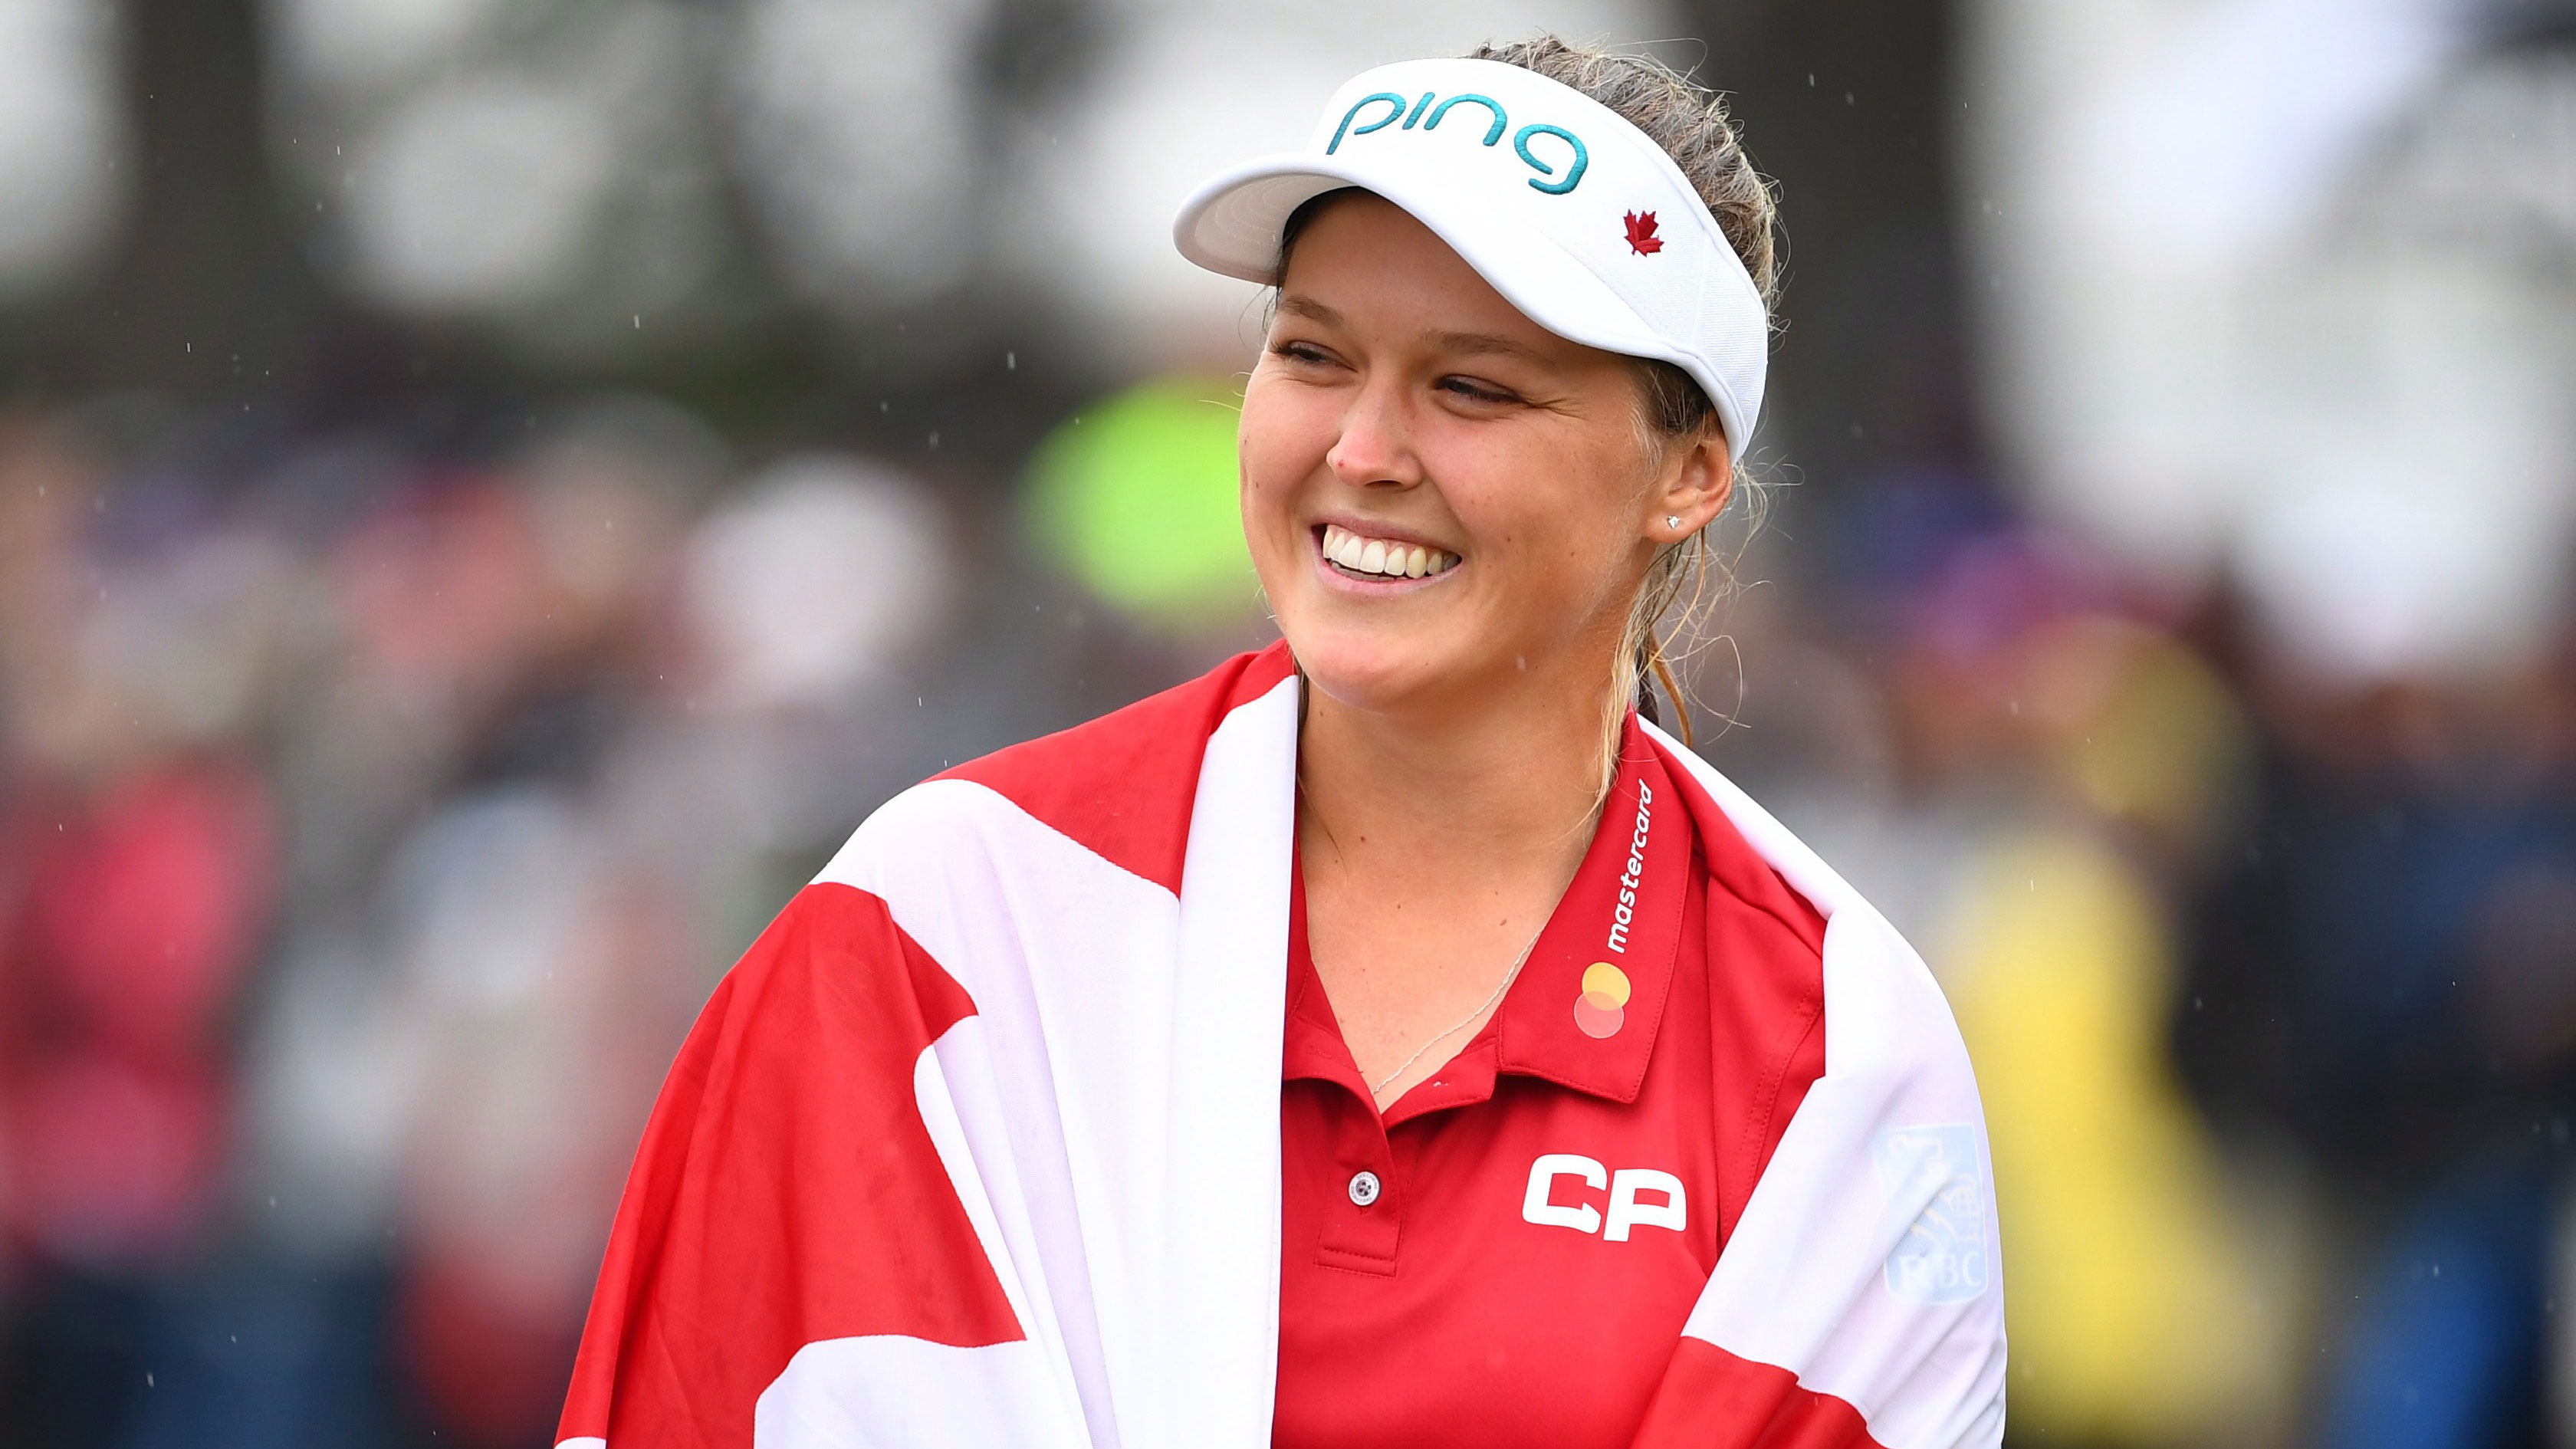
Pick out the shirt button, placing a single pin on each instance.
(1365, 1187)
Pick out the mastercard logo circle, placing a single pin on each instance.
(1602, 1008)
(1603, 979)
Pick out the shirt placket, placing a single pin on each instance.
(1364, 1220)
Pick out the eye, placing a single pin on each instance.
(1305, 352)
(1473, 391)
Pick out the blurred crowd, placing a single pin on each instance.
(373, 821)
(454, 588)
(2269, 977)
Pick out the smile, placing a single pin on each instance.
(1359, 556)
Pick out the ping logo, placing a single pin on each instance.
(1427, 115)
(1626, 1210)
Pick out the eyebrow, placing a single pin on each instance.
(1297, 304)
(1473, 344)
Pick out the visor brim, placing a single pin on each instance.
(1232, 225)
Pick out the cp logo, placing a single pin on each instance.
(1539, 1204)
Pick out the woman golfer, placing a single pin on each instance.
(1390, 1038)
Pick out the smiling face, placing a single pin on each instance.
(1443, 498)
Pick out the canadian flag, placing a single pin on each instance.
(978, 1145)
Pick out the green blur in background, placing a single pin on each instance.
(1136, 499)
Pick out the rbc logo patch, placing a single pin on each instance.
(1943, 1256)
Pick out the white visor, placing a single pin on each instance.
(1571, 213)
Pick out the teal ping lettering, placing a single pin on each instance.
(1573, 174)
(1391, 98)
(1493, 133)
(1428, 115)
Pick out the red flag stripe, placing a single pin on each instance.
(1710, 1399)
(815, 1207)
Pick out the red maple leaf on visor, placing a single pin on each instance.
(1641, 234)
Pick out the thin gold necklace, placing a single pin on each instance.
(1481, 1007)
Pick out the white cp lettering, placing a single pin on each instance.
(1538, 1204)
(1535, 1204)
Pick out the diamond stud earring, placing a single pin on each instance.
(1672, 520)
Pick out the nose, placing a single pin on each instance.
(1375, 449)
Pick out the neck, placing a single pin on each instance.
(1507, 779)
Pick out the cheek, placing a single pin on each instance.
(1561, 565)
(1281, 442)
(1553, 520)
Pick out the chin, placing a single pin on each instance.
(1378, 671)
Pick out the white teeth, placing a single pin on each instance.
(1383, 556)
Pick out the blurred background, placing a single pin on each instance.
(491, 491)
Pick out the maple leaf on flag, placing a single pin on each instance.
(1641, 234)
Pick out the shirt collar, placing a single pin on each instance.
(1616, 934)
(1315, 1045)
(1622, 911)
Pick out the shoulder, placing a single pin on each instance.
(1119, 787)
(1884, 1012)
(1744, 877)
(1890, 1132)
(1770, 935)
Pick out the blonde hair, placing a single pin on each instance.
(1691, 124)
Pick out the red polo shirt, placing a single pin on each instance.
(1507, 1254)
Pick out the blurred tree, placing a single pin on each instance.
(1847, 107)
(207, 280)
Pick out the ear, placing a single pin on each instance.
(1697, 478)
